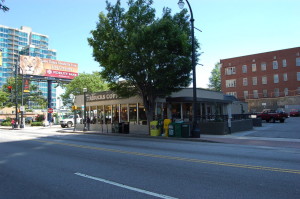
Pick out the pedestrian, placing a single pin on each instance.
(88, 121)
(13, 124)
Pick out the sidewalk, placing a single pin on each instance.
(236, 138)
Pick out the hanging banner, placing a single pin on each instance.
(26, 86)
(48, 67)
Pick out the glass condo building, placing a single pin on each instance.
(15, 42)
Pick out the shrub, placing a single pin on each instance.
(6, 123)
(40, 118)
(37, 124)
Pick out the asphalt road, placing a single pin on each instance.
(45, 164)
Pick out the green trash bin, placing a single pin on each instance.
(186, 130)
(177, 129)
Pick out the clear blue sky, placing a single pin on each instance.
(230, 28)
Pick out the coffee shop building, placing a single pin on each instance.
(105, 108)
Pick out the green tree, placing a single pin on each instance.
(215, 78)
(3, 7)
(3, 98)
(141, 54)
(35, 94)
(93, 82)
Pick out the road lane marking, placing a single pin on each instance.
(125, 186)
(227, 164)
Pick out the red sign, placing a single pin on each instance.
(50, 110)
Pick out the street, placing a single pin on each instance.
(48, 164)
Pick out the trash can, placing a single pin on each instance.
(177, 129)
(186, 130)
(154, 128)
(167, 122)
(114, 127)
(171, 132)
(121, 127)
(126, 127)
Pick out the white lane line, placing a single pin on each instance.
(125, 186)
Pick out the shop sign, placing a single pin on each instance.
(102, 96)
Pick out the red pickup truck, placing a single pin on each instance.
(272, 115)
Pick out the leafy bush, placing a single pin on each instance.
(6, 123)
(37, 124)
(40, 118)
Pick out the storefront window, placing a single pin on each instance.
(93, 114)
(107, 114)
(133, 113)
(115, 113)
(159, 110)
(176, 111)
(142, 115)
(100, 115)
(187, 111)
(124, 113)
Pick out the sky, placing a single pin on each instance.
(230, 28)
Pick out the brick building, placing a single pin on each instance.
(272, 74)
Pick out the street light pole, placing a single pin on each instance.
(16, 95)
(22, 124)
(84, 113)
(195, 128)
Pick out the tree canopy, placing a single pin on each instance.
(3, 7)
(93, 82)
(215, 78)
(3, 98)
(141, 54)
(35, 94)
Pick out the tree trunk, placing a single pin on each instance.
(149, 104)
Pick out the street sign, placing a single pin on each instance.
(50, 110)
(22, 108)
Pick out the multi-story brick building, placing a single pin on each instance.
(265, 75)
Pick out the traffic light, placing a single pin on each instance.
(74, 108)
(9, 89)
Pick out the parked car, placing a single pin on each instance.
(69, 122)
(294, 113)
(272, 115)
(28, 120)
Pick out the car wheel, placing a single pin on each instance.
(272, 120)
(267, 121)
(69, 124)
(63, 126)
(282, 121)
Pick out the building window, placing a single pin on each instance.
(298, 61)
(244, 68)
(275, 65)
(285, 77)
(276, 92)
(253, 67)
(263, 66)
(286, 92)
(245, 81)
(230, 83)
(298, 76)
(246, 94)
(230, 71)
(284, 63)
(276, 79)
(254, 81)
(255, 94)
(265, 93)
(264, 80)
(231, 93)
